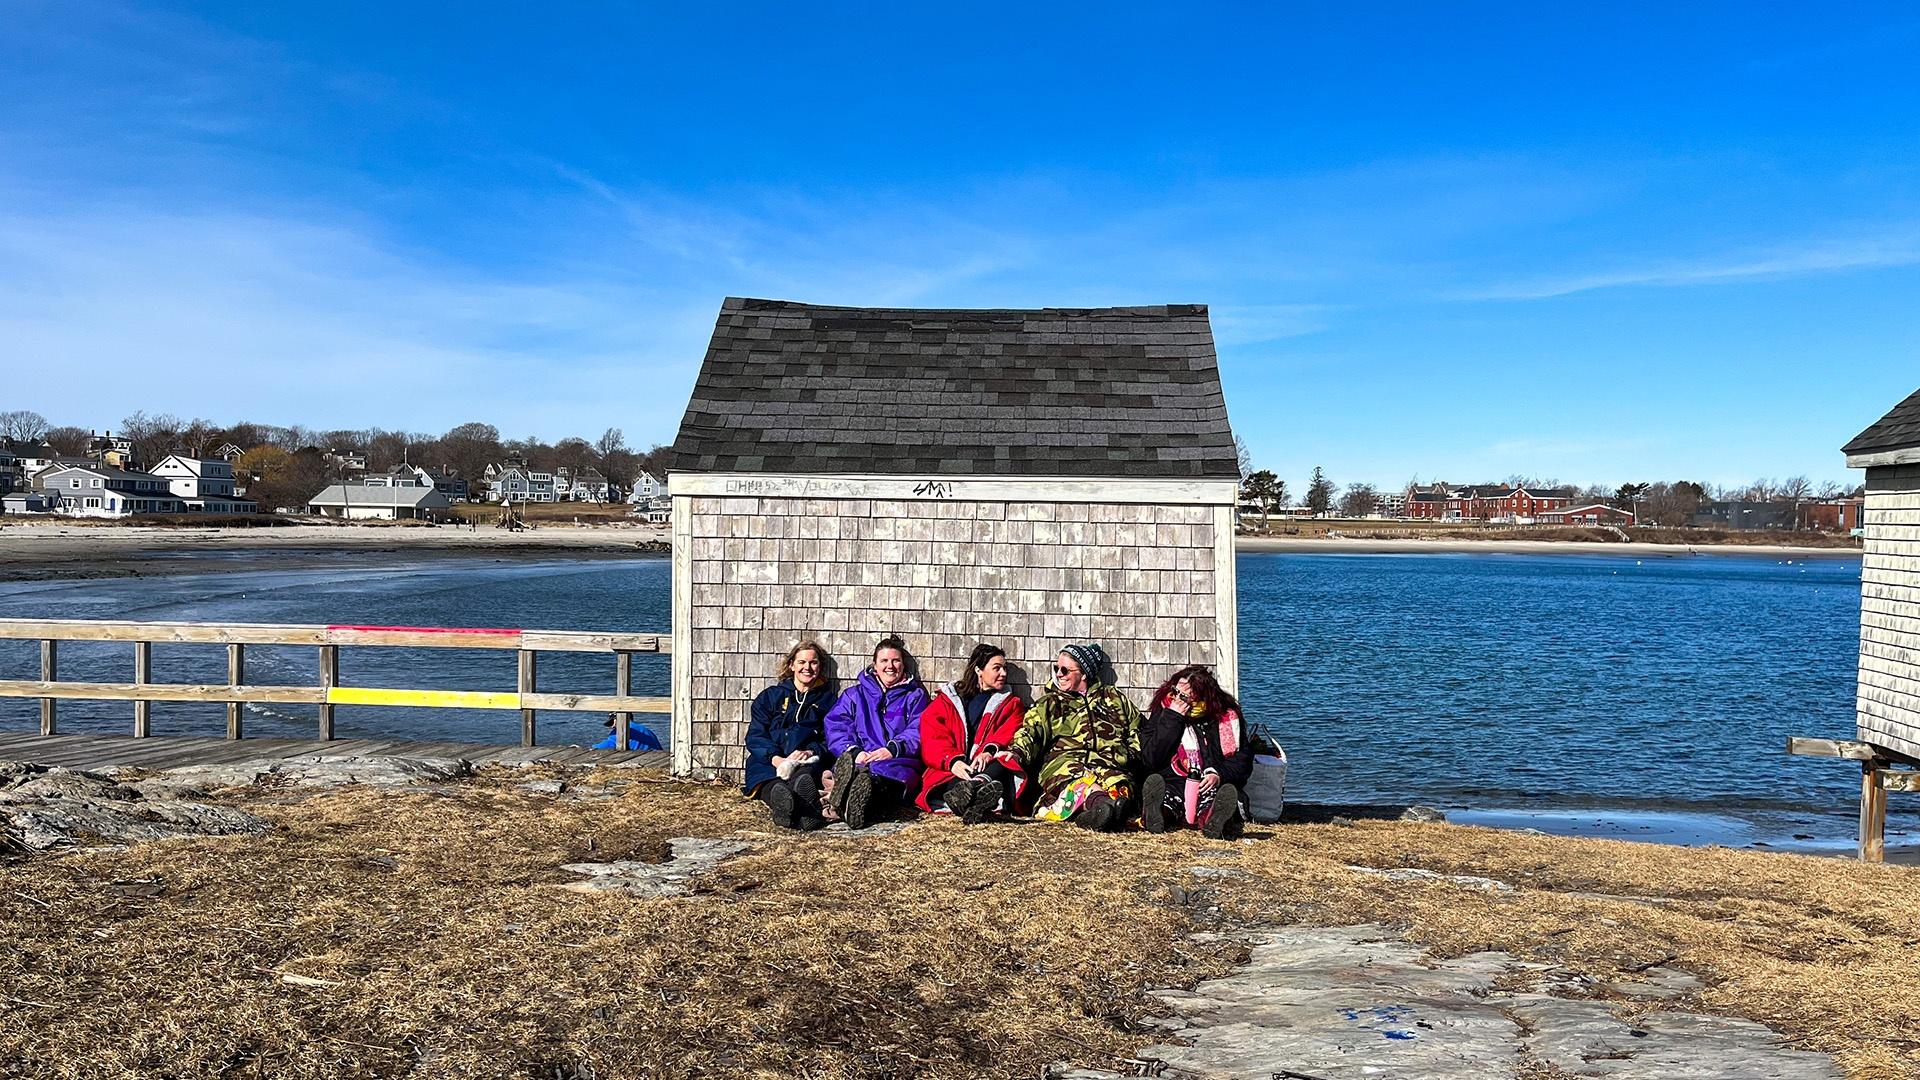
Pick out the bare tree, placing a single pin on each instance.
(612, 447)
(68, 441)
(24, 425)
(1244, 456)
(1360, 500)
(153, 437)
(199, 437)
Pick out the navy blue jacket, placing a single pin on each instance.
(782, 722)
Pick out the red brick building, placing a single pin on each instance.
(1486, 502)
(1832, 515)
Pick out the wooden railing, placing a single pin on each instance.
(329, 640)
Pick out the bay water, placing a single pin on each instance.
(1604, 694)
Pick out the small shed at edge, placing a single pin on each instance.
(1026, 478)
(1887, 702)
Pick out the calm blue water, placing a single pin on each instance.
(1602, 687)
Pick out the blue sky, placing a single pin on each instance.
(1597, 242)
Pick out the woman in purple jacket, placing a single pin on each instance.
(873, 731)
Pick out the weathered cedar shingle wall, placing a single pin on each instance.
(1027, 576)
(1889, 695)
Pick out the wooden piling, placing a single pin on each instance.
(236, 676)
(622, 687)
(49, 672)
(142, 675)
(1873, 814)
(528, 734)
(329, 678)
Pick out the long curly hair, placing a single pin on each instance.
(1204, 688)
(784, 670)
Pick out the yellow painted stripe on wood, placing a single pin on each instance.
(432, 699)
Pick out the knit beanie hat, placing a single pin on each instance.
(1090, 657)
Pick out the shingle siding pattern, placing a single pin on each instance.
(1097, 392)
(1029, 577)
(1898, 430)
(1888, 702)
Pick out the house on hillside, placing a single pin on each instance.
(584, 484)
(95, 490)
(388, 502)
(516, 481)
(203, 485)
(646, 489)
(111, 450)
(1027, 478)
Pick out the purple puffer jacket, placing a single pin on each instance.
(871, 718)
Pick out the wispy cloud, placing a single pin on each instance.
(1898, 247)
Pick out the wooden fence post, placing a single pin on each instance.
(623, 686)
(142, 674)
(329, 678)
(49, 672)
(528, 734)
(236, 676)
(1873, 813)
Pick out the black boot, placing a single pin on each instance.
(1100, 814)
(778, 795)
(1153, 803)
(859, 798)
(1224, 822)
(843, 770)
(806, 799)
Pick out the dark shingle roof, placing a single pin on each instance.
(1111, 392)
(1898, 430)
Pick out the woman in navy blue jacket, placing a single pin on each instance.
(786, 739)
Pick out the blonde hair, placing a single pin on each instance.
(784, 670)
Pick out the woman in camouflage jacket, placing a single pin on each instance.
(1081, 742)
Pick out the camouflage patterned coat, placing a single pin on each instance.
(1067, 736)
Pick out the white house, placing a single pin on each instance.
(515, 481)
(581, 485)
(24, 502)
(383, 502)
(645, 489)
(103, 491)
(205, 486)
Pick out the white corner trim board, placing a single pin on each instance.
(681, 740)
(1905, 456)
(957, 488)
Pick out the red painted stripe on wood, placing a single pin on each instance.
(433, 629)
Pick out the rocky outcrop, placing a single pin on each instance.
(46, 807)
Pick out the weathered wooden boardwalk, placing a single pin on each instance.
(176, 751)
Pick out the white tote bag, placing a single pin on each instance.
(1267, 787)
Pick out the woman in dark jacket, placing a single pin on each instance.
(786, 738)
(1198, 754)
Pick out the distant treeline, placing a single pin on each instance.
(281, 476)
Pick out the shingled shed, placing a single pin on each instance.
(1887, 697)
(1027, 478)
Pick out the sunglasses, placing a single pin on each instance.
(1062, 669)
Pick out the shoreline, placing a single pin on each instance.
(45, 551)
(1351, 546)
(49, 552)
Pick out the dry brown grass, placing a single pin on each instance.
(936, 952)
